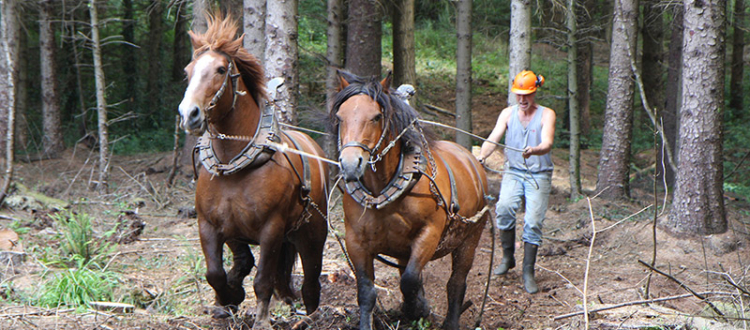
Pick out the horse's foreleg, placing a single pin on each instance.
(462, 259)
(265, 278)
(212, 247)
(366, 294)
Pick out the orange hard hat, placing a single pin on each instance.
(526, 82)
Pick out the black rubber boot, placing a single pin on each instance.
(508, 241)
(529, 259)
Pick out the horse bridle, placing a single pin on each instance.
(374, 158)
(220, 92)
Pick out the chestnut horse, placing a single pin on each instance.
(248, 192)
(407, 196)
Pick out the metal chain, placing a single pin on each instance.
(433, 168)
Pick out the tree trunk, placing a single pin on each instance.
(573, 107)
(614, 158)
(180, 48)
(519, 47)
(463, 71)
(282, 55)
(698, 204)
(233, 8)
(101, 102)
(671, 115)
(335, 56)
(585, 77)
(404, 47)
(8, 36)
(653, 53)
(736, 92)
(364, 35)
(130, 53)
(154, 52)
(21, 127)
(255, 28)
(52, 141)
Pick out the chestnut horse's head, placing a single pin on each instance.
(367, 116)
(219, 62)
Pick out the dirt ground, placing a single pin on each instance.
(160, 265)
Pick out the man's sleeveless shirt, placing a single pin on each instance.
(517, 136)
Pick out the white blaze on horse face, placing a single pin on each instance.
(195, 97)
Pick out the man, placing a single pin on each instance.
(530, 127)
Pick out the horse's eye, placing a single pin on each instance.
(377, 118)
(221, 70)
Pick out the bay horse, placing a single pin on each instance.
(407, 196)
(248, 192)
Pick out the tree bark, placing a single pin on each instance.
(254, 22)
(282, 55)
(364, 35)
(21, 124)
(671, 115)
(585, 77)
(698, 204)
(233, 8)
(101, 102)
(653, 53)
(463, 71)
(573, 106)
(404, 47)
(519, 46)
(8, 34)
(52, 142)
(335, 56)
(736, 92)
(180, 48)
(614, 161)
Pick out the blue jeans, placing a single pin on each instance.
(536, 190)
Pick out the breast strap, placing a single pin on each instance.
(410, 167)
(256, 153)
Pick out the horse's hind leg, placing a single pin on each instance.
(287, 256)
(228, 296)
(312, 260)
(462, 259)
(242, 263)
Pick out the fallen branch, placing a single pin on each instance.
(37, 313)
(637, 302)
(440, 110)
(682, 285)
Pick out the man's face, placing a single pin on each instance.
(525, 102)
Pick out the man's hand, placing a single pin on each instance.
(527, 152)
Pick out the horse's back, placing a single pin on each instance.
(470, 178)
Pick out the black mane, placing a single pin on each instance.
(398, 113)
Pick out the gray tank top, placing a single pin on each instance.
(520, 137)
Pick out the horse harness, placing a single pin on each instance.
(256, 153)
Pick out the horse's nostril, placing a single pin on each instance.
(195, 113)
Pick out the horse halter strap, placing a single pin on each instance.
(229, 75)
(373, 158)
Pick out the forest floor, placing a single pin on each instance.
(592, 247)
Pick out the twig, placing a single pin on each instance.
(563, 277)
(636, 302)
(39, 312)
(626, 219)
(175, 152)
(682, 285)
(5, 217)
(588, 263)
(653, 226)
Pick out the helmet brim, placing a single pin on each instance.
(523, 91)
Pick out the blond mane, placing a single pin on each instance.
(221, 36)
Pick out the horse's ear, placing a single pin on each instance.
(195, 40)
(386, 82)
(343, 83)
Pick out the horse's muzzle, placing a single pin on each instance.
(193, 122)
(353, 166)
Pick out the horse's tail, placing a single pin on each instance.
(287, 259)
